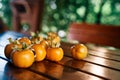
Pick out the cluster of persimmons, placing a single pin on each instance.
(24, 51)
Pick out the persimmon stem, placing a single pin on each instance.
(10, 40)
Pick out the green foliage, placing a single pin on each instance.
(59, 14)
(5, 12)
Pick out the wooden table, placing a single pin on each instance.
(101, 64)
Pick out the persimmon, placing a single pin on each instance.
(25, 40)
(40, 52)
(44, 43)
(23, 58)
(79, 51)
(9, 47)
(36, 37)
(54, 51)
(54, 54)
(39, 38)
(54, 37)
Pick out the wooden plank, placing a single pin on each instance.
(105, 50)
(77, 75)
(10, 72)
(92, 68)
(58, 71)
(96, 60)
(103, 62)
(93, 39)
(104, 55)
(95, 33)
(49, 70)
(86, 30)
(95, 29)
(42, 69)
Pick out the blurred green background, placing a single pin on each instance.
(58, 14)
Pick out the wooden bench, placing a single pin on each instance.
(93, 33)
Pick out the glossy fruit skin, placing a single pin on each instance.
(23, 58)
(44, 44)
(79, 51)
(55, 54)
(8, 49)
(25, 39)
(40, 52)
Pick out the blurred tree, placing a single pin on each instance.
(59, 14)
(5, 12)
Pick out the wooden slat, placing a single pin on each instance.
(50, 70)
(88, 29)
(70, 74)
(105, 50)
(95, 60)
(92, 68)
(101, 61)
(93, 39)
(58, 71)
(104, 55)
(104, 62)
(11, 72)
(95, 33)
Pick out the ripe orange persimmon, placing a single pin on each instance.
(40, 52)
(44, 43)
(23, 58)
(25, 39)
(34, 39)
(54, 54)
(79, 51)
(8, 49)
